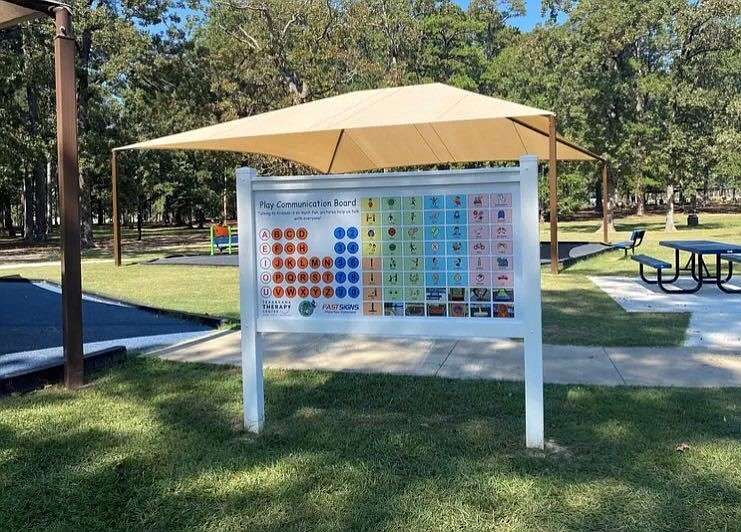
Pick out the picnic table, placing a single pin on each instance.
(698, 250)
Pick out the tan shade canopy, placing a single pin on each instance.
(14, 12)
(385, 128)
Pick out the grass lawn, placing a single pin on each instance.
(158, 446)
(575, 311)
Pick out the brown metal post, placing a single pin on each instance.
(116, 216)
(553, 191)
(605, 205)
(69, 198)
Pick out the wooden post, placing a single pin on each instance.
(69, 198)
(605, 206)
(115, 214)
(553, 191)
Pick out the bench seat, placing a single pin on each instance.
(625, 244)
(732, 257)
(651, 262)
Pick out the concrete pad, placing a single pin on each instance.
(696, 367)
(715, 316)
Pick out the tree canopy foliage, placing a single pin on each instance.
(651, 84)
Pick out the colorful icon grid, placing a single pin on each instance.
(438, 255)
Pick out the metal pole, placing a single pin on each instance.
(116, 216)
(553, 191)
(605, 206)
(69, 198)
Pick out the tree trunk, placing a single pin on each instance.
(83, 104)
(101, 218)
(670, 209)
(8, 217)
(36, 193)
(86, 213)
(40, 199)
(139, 220)
(640, 198)
(27, 205)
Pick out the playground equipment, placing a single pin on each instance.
(223, 237)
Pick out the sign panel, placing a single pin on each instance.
(442, 252)
(435, 254)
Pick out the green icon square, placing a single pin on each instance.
(391, 203)
(413, 279)
(414, 264)
(413, 217)
(414, 293)
(392, 279)
(393, 293)
(392, 264)
(413, 249)
(391, 218)
(391, 249)
(391, 233)
(412, 233)
(413, 202)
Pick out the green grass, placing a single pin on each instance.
(575, 311)
(159, 446)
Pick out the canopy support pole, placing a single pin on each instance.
(115, 214)
(69, 198)
(605, 206)
(553, 191)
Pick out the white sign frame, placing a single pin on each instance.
(527, 323)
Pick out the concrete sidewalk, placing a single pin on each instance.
(481, 359)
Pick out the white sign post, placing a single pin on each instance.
(435, 254)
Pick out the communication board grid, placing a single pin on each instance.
(444, 251)
(301, 226)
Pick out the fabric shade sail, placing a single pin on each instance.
(385, 128)
(14, 12)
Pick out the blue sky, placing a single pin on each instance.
(526, 22)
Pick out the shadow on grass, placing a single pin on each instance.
(159, 446)
(591, 316)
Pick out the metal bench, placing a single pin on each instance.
(732, 257)
(635, 240)
(651, 262)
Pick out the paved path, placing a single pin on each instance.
(485, 359)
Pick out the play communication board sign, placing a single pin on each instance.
(447, 252)
(435, 254)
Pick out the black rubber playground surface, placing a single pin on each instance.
(31, 319)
